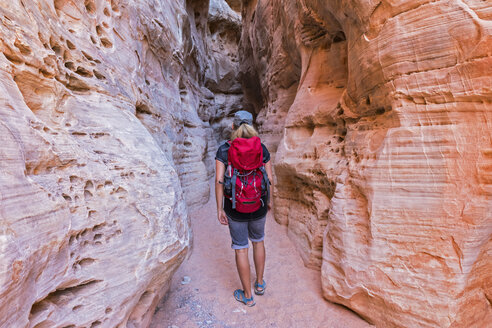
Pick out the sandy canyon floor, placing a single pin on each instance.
(292, 299)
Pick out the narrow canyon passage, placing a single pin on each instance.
(293, 297)
(378, 118)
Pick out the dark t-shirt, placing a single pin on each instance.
(221, 155)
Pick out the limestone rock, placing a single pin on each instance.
(103, 148)
(381, 113)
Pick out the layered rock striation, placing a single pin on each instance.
(381, 114)
(106, 142)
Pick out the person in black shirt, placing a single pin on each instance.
(243, 226)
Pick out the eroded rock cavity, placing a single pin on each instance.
(381, 112)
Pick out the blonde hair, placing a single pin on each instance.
(244, 131)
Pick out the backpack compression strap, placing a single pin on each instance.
(234, 176)
(265, 176)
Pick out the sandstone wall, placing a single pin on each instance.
(222, 75)
(381, 111)
(106, 140)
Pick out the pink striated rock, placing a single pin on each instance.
(381, 112)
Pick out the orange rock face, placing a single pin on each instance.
(381, 112)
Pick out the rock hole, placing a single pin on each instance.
(67, 197)
(46, 73)
(339, 37)
(368, 100)
(380, 111)
(55, 46)
(114, 5)
(75, 84)
(106, 43)
(90, 6)
(70, 45)
(99, 75)
(13, 58)
(67, 55)
(89, 185)
(78, 133)
(23, 48)
(106, 25)
(87, 56)
(106, 12)
(87, 194)
(58, 297)
(76, 307)
(85, 262)
(96, 324)
(97, 236)
(59, 4)
(93, 40)
(108, 310)
(141, 108)
(99, 30)
(98, 227)
(70, 65)
(82, 71)
(120, 190)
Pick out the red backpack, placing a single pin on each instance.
(246, 180)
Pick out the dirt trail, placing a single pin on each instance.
(292, 299)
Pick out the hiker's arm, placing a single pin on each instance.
(268, 168)
(219, 191)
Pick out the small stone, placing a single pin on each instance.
(186, 280)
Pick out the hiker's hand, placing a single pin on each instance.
(222, 217)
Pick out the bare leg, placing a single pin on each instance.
(259, 258)
(242, 263)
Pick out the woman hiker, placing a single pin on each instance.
(246, 219)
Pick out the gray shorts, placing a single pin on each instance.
(240, 231)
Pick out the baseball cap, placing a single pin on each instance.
(241, 117)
